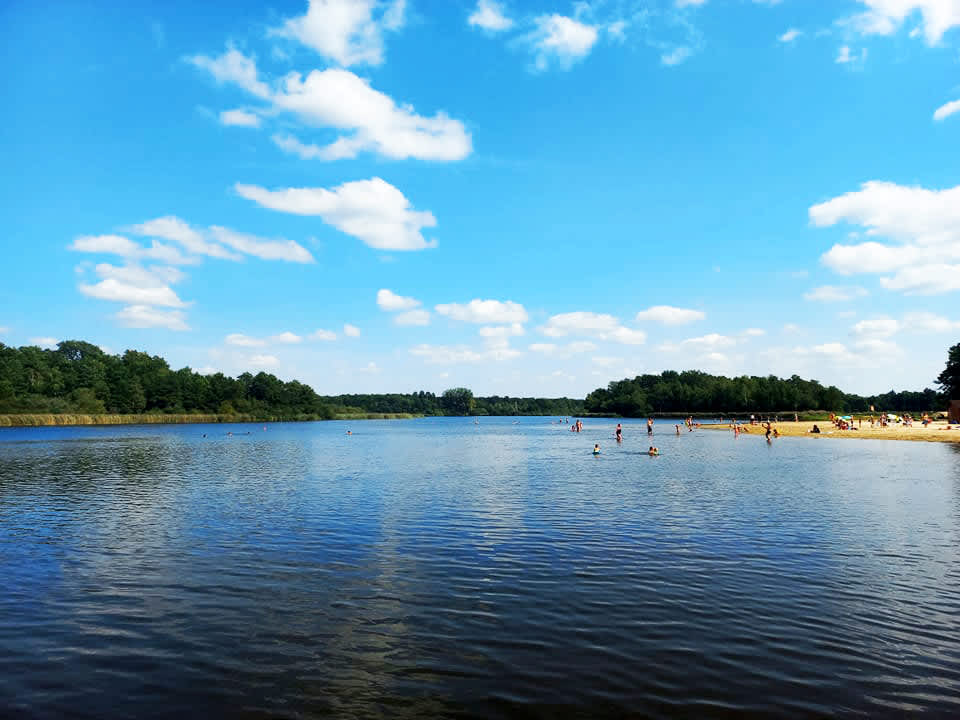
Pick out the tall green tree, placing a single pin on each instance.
(949, 379)
(457, 401)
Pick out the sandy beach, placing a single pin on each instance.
(935, 432)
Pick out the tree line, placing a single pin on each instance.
(693, 391)
(79, 377)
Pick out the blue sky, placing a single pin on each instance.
(524, 198)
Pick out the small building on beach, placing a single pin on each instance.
(954, 412)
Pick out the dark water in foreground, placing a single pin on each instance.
(436, 568)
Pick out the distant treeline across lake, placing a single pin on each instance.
(79, 378)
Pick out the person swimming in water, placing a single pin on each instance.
(653, 451)
(596, 449)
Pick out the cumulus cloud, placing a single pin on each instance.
(176, 230)
(241, 340)
(44, 342)
(374, 211)
(711, 342)
(351, 330)
(239, 118)
(885, 17)
(369, 120)
(563, 351)
(118, 291)
(286, 338)
(499, 332)
(880, 328)
(145, 316)
(945, 111)
(560, 41)
(325, 335)
(263, 361)
(489, 15)
(596, 325)
(461, 355)
(485, 312)
(929, 322)
(667, 315)
(790, 35)
(834, 293)
(349, 32)
(845, 56)
(676, 56)
(412, 317)
(391, 302)
(920, 227)
(233, 68)
(286, 250)
(126, 248)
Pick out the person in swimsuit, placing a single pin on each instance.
(619, 433)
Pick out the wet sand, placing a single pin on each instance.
(935, 432)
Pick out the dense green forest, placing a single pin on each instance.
(79, 377)
(697, 392)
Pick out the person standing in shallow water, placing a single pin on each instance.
(649, 426)
(619, 433)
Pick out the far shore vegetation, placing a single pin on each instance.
(79, 384)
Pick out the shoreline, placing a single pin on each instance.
(79, 419)
(935, 432)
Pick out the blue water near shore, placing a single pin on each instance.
(438, 568)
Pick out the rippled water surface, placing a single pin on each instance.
(438, 568)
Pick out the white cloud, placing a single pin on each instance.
(325, 335)
(790, 35)
(676, 56)
(126, 248)
(235, 68)
(921, 225)
(563, 351)
(351, 330)
(485, 312)
(501, 331)
(349, 32)
(286, 338)
(144, 316)
(263, 361)
(155, 276)
(174, 229)
(885, 17)
(667, 315)
(753, 332)
(689, 3)
(264, 249)
(241, 340)
(44, 342)
(878, 328)
(560, 40)
(117, 291)
(239, 118)
(459, 355)
(597, 325)
(834, 293)
(791, 329)
(705, 343)
(371, 120)
(945, 111)
(606, 362)
(845, 56)
(391, 302)
(929, 322)
(489, 15)
(4, 330)
(373, 211)
(412, 317)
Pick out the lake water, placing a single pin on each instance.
(438, 568)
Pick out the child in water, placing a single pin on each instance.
(653, 451)
(596, 449)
